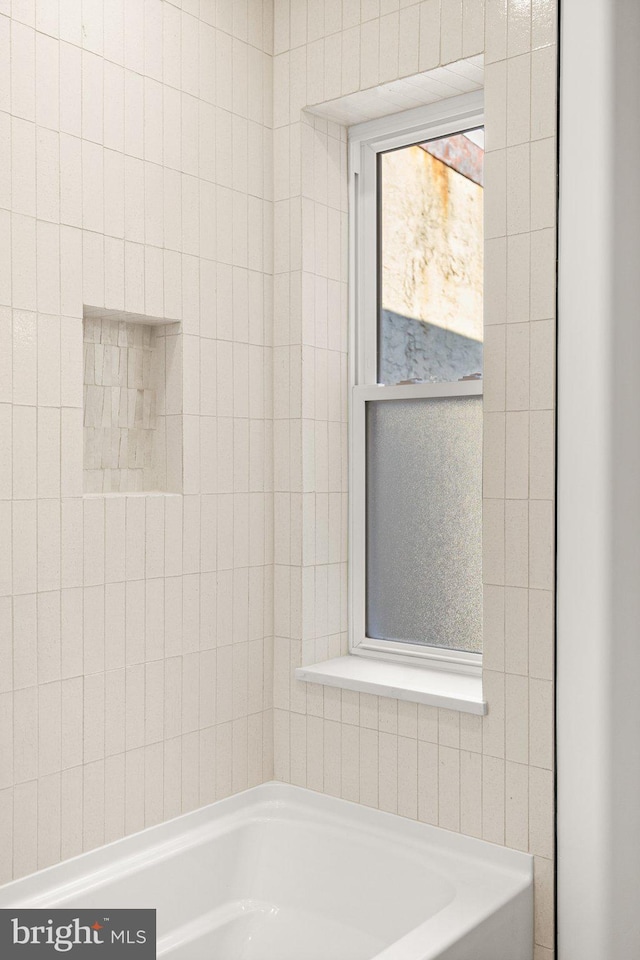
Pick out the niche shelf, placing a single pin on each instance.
(132, 419)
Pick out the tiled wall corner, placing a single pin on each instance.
(490, 777)
(163, 165)
(135, 631)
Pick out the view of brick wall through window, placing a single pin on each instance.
(431, 249)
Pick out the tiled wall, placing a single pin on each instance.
(135, 631)
(490, 777)
(135, 678)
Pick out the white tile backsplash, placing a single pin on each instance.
(108, 197)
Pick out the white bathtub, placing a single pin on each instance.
(281, 873)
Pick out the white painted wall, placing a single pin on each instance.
(599, 483)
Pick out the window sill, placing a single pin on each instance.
(436, 687)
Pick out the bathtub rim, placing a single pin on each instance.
(512, 870)
(277, 794)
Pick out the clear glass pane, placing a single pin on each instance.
(431, 260)
(424, 519)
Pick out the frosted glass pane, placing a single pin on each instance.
(431, 260)
(424, 521)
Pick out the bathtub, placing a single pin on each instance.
(282, 873)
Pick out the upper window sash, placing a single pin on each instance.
(366, 141)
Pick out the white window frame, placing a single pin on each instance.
(366, 141)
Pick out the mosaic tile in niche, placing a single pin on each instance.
(128, 436)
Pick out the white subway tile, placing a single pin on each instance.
(23, 73)
(24, 547)
(71, 722)
(71, 811)
(25, 812)
(493, 799)
(428, 786)
(470, 793)
(517, 805)
(25, 734)
(518, 85)
(450, 30)
(133, 31)
(134, 812)
(114, 786)
(429, 34)
(49, 816)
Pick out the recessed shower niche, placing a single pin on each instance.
(132, 403)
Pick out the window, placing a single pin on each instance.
(416, 372)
